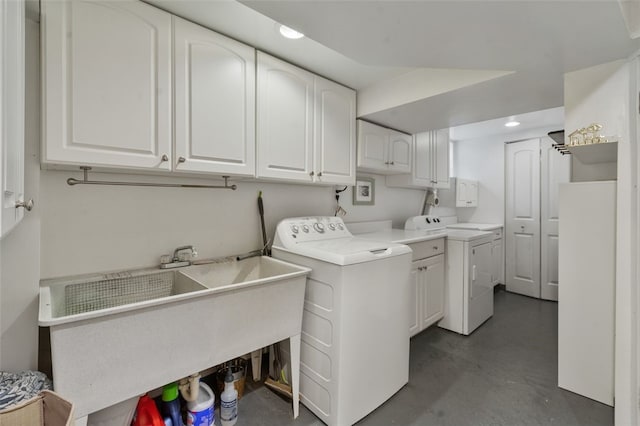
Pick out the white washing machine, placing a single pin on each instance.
(469, 292)
(355, 341)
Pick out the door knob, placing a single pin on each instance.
(27, 205)
(181, 160)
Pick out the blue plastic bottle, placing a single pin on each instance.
(171, 404)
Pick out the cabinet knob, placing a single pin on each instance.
(311, 174)
(320, 174)
(386, 162)
(164, 158)
(435, 247)
(392, 163)
(27, 205)
(181, 160)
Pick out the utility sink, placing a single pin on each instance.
(116, 336)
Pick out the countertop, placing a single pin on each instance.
(476, 226)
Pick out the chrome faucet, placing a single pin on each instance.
(178, 259)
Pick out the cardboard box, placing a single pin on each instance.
(46, 409)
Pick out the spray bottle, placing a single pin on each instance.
(229, 401)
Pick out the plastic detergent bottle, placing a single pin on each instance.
(201, 411)
(171, 404)
(229, 401)
(146, 413)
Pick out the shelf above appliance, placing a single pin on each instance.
(605, 152)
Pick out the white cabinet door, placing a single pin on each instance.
(214, 102)
(472, 194)
(440, 153)
(107, 84)
(415, 294)
(12, 69)
(373, 145)
(399, 157)
(433, 290)
(422, 165)
(335, 138)
(496, 260)
(284, 120)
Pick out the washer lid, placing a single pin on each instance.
(346, 251)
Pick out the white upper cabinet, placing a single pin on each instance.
(430, 162)
(107, 84)
(440, 154)
(305, 126)
(466, 193)
(285, 120)
(214, 102)
(382, 150)
(400, 147)
(335, 138)
(12, 97)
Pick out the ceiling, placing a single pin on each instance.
(426, 64)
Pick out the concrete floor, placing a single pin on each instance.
(505, 373)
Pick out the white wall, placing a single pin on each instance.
(99, 228)
(20, 260)
(482, 159)
(594, 95)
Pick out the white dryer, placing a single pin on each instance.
(469, 292)
(355, 340)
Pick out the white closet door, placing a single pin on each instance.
(554, 170)
(523, 217)
(215, 102)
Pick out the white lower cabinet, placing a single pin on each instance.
(427, 288)
(292, 103)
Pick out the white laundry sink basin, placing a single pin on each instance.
(116, 336)
(62, 300)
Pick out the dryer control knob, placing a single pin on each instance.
(332, 226)
(295, 229)
(305, 228)
(318, 227)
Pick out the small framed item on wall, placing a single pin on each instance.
(364, 192)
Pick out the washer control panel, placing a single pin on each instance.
(300, 229)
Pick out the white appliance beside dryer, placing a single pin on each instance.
(469, 290)
(497, 246)
(354, 324)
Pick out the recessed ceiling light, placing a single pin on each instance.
(290, 32)
(512, 123)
